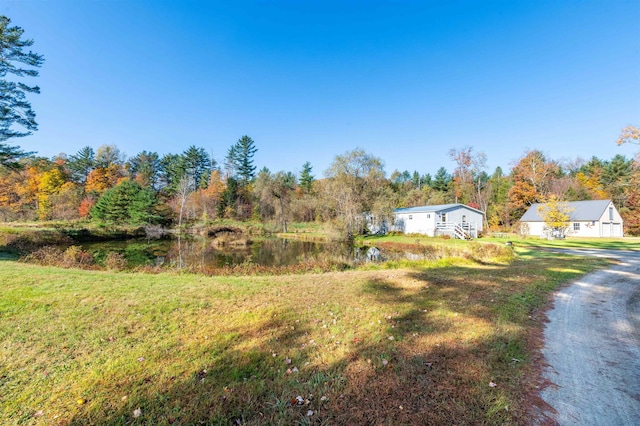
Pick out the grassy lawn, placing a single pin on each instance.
(420, 343)
(627, 243)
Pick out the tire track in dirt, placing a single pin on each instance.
(592, 347)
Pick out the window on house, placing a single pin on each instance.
(610, 213)
(464, 218)
(410, 217)
(428, 215)
(576, 226)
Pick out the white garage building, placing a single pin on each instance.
(595, 218)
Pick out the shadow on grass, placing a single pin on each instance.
(441, 348)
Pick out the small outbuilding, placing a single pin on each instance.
(454, 220)
(593, 218)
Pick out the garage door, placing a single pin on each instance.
(616, 230)
(606, 229)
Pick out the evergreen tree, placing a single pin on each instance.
(229, 197)
(14, 108)
(197, 165)
(127, 203)
(241, 156)
(306, 178)
(172, 169)
(81, 164)
(145, 168)
(441, 180)
(10, 156)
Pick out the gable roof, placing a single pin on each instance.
(582, 211)
(440, 208)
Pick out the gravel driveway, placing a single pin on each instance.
(592, 347)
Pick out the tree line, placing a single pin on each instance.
(191, 186)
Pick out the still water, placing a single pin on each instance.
(204, 253)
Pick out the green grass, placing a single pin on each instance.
(628, 243)
(414, 345)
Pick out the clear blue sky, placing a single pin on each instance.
(309, 80)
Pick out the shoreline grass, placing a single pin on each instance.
(422, 343)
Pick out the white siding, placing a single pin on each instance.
(533, 228)
(587, 229)
(416, 223)
(471, 216)
(425, 222)
(611, 223)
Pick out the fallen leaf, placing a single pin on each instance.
(493, 385)
(81, 401)
(38, 413)
(137, 413)
(309, 413)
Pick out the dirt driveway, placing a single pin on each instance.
(592, 347)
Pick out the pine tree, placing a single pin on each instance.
(14, 108)
(306, 178)
(242, 156)
(198, 166)
(127, 203)
(81, 164)
(145, 167)
(441, 180)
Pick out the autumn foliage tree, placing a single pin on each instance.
(555, 214)
(630, 134)
(531, 177)
(356, 185)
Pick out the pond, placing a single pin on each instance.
(202, 253)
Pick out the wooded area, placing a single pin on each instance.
(191, 186)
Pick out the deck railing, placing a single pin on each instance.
(463, 231)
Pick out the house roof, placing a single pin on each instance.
(581, 211)
(435, 209)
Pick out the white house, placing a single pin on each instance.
(595, 218)
(456, 220)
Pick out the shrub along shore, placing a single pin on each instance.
(405, 342)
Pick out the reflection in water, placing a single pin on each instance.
(202, 253)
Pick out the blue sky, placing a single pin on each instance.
(309, 80)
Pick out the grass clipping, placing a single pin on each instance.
(421, 344)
